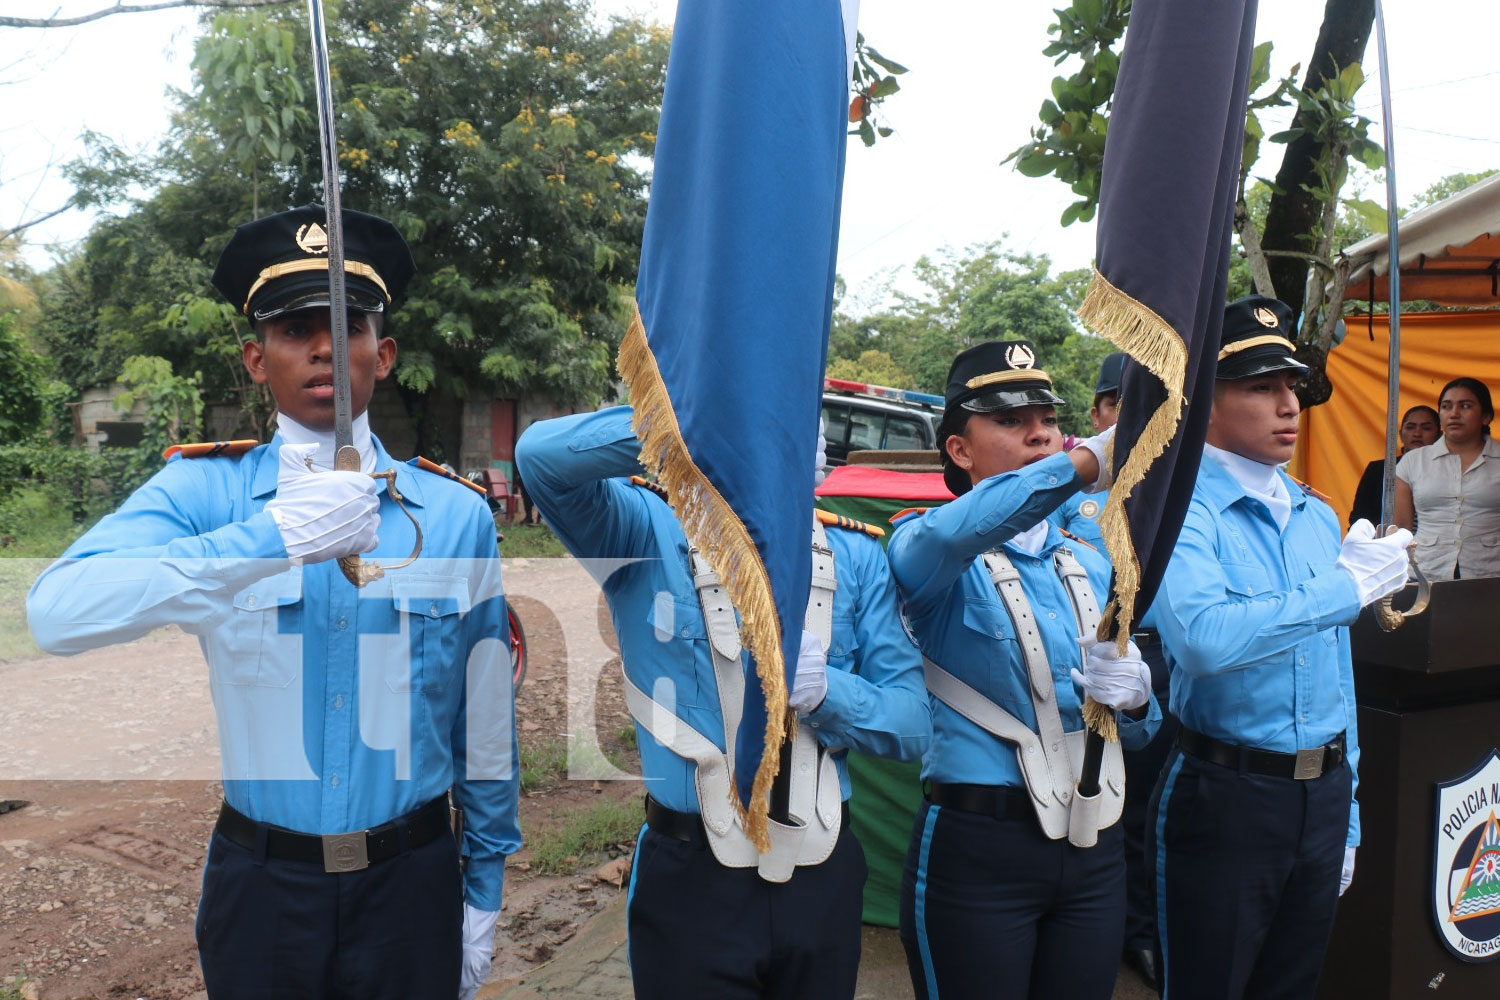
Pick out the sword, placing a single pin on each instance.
(346, 456)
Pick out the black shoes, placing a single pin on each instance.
(1143, 961)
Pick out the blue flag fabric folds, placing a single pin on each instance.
(1166, 211)
(725, 357)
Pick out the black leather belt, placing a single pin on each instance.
(688, 827)
(1146, 638)
(1304, 765)
(339, 852)
(999, 801)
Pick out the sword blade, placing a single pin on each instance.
(343, 403)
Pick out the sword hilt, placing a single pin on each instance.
(356, 570)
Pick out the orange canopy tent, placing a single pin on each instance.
(1450, 255)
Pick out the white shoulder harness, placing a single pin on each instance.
(816, 798)
(1050, 758)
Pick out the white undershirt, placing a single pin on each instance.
(1258, 479)
(294, 433)
(1032, 539)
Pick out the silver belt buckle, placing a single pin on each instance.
(1309, 764)
(345, 852)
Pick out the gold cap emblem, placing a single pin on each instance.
(1020, 356)
(1266, 317)
(312, 239)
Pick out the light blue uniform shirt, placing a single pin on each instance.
(576, 470)
(1254, 622)
(338, 708)
(963, 627)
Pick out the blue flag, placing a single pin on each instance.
(725, 357)
(1166, 211)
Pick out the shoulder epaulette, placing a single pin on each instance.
(1074, 538)
(210, 449)
(1311, 492)
(909, 510)
(428, 465)
(849, 523)
(656, 488)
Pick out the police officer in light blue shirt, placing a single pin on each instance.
(1014, 884)
(702, 920)
(1253, 823)
(345, 715)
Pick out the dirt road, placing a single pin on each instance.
(116, 753)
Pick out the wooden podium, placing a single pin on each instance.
(1429, 712)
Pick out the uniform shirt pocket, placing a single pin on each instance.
(1245, 580)
(263, 638)
(430, 611)
(992, 656)
(843, 647)
(682, 655)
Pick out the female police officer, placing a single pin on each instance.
(998, 899)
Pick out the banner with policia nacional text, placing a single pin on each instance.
(1166, 208)
(725, 356)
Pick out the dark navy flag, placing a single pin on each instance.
(1166, 209)
(725, 359)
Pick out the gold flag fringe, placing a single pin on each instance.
(1150, 341)
(716, 530)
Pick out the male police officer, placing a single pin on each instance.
(1253, 821)
(708, 917)
(345, 715)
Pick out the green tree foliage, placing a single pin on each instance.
(984, 292)
(24, 404)
(873, 367)
(509, 140)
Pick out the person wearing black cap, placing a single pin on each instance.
(1106, 408)
(1014, 884)
(1253, 821)
(345, 715)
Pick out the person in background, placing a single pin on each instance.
(1449, 492)
(1419, 428)
(1078, 516)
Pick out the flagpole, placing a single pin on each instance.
(1393, 276)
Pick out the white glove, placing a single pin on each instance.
(811, 685)
(1100, 447)
(820, 458)
(1378, 565)
(1117, 681)
(323, 515)
(1347, 875)
(479, 949)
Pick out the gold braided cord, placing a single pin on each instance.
(356, 267)
(717, 531)
(1150, 340)
(1261, 341)
(1012, 375)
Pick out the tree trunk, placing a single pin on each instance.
(1293, 212)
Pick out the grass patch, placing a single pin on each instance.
(14, 987)
(16, 576)
(35, 524)
(583, 840)
(543, 765)
(626, 737)
(530, 541)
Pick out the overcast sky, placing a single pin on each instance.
(977, 78)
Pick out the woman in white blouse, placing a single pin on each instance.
(1452, 489)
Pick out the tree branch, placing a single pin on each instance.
(121, 8)
(7, 234)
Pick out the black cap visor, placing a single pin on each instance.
(309, 290)
(1258, 361)
(1009, 399)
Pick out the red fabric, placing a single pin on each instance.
(867, 481)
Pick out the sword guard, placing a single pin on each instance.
(355, 569)
(1386, 616)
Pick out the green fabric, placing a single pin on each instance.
(886, 792)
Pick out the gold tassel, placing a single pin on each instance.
(1150, 341)
(712, 526)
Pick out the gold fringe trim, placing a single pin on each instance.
(1101, 719)
(713, 527)
(1150, 341)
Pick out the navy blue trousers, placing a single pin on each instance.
(1142, 769)
(1247, 876)
(698, 929)
(992, 909)
(289, 930)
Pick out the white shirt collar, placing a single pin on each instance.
(294, 433)
(1258, 480)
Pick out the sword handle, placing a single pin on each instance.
(346, 459)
